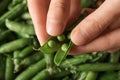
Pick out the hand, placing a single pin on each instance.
(99, 31)
(52, 16)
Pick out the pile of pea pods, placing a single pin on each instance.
(22, 57)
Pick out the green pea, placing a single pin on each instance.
(68, 36)
(61, 37)
(64, 47)
(51, 43)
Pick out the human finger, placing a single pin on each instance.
(94, 24)
(105, 42)
(57, 16)
(38, 11)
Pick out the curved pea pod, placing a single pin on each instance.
(25, 52)
(20, 28)
(12, 14)
(32, 70)
(14, 45)
(43, 75)
(62, 53)
(50, 46)
(9, 69)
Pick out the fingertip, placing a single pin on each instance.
(54, 28)
(74, 38)
(77, 38)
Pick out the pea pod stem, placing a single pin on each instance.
(99, 67)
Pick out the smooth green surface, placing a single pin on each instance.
(14, 45)
(31, 70)
(61, 55)
(99, 67)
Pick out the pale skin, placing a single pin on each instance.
(97, 32)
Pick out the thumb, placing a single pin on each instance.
(94, 24)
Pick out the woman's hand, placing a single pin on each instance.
(50, 17)
(98, 31)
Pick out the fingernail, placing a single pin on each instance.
(77, 37)
(54, 28)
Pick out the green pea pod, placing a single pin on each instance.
(91, 75)
(31, 70)
(12, 14)
(59, 74)
(3, 6)
(9, 69)
(17, 1)
(2, 67)
(43, 75)
(31, 59)
(50, 46)
(62, 53)
(20, 28)
(68, 63)
(14, 45)
(99, 67)
(25, 52)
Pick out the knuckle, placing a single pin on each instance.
(92, 28)
(61, 6)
